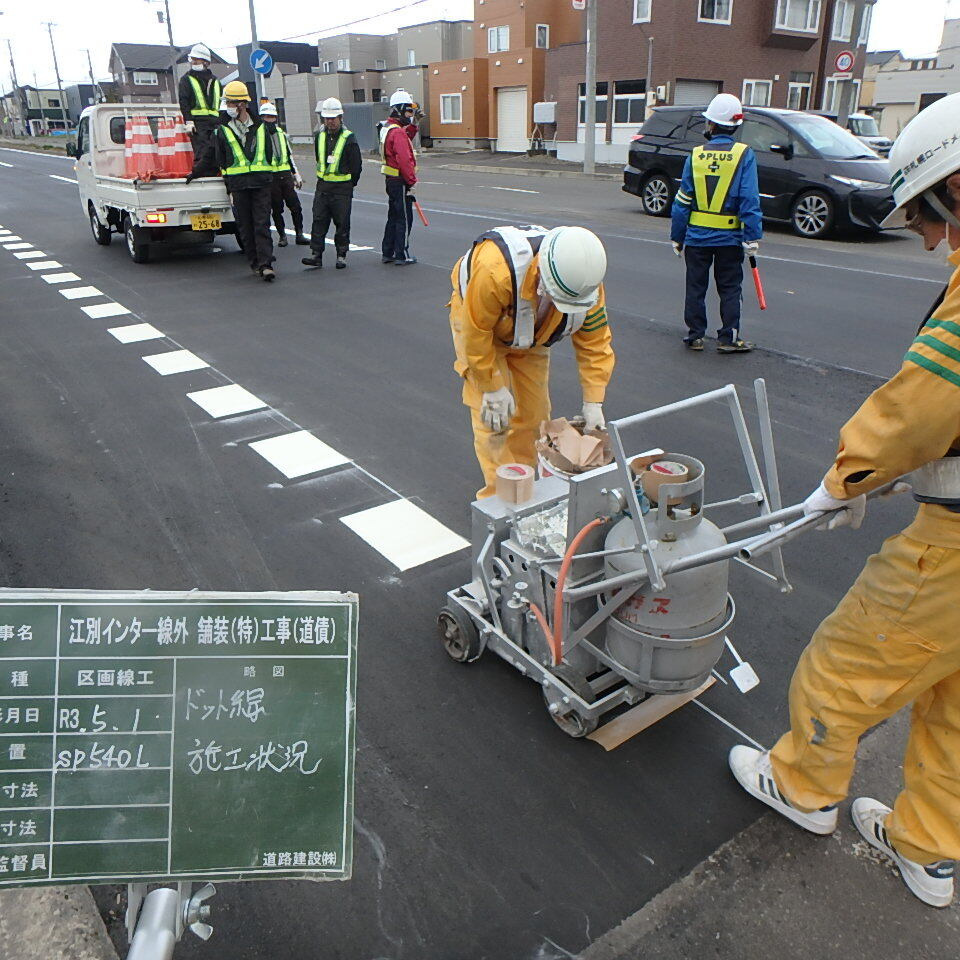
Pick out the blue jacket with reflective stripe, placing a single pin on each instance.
(743, 200)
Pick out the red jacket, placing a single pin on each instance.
(398, 152)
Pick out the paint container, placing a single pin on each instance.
(515, 482)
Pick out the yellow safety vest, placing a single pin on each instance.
(330, 173)
(721, 164)
(281, 163)
(203, 107)
(384, 169)
(241, 162)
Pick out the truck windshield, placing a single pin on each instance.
(829, 140)
(864, 127)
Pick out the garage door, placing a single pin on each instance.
(694, 93)
(512, 120)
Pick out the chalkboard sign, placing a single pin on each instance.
(146, 736)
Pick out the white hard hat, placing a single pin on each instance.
(268, 109)
(572, 267)
(926, 152)
(331, 107)
(200, 51)
(726, 110)
(399, 97)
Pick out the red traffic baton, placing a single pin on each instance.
(422, 215)
(758, 283)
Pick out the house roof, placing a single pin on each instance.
(151, 56)
(875, 57)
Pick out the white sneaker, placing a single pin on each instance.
(754, 773)
(933, 883)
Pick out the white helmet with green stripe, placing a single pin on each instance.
(926, 153)
(572, 267)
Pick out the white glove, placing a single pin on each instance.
(593, 414)
(496, 409)
(677, 248)
(848, 513)
(751, 247)
(297, 180)
(191, 126)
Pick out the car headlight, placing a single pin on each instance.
(859, 184)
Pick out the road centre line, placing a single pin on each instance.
(2, 164)
(37, 153)
(53, 176)
(514, 190)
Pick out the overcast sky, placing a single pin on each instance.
(911, 25)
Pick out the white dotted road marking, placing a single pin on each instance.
(9, 238)
(17, 246)
(299, 454)
(2, 164)
(175, 361)
(59, 277)
(226, 401)
(30, 255)
(99, 311)
(45, 265)
(53, 176)
(136, 332)
(80, 293)
(404, 533)
(514, 190)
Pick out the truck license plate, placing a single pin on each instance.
(206, 221)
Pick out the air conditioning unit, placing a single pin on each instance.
(663, 91)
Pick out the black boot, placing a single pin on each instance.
(313, 261)
(282, 242)
(341, 261)
(302, 241)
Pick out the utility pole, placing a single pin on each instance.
(56, 69)
(21, 115)
(174, 54)
(93, 82)
(848, 88)
(590, 91)
(648, 86)
(257, 78)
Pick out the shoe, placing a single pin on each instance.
(734, 346)
(696, 344)
(407, 262)
(282, 242)
(312, 261)
(754, 773)
(387, 260)
(301, 241)
(267, 274)
(931, 883)
(342, 263)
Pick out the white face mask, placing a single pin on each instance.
(232, 112)
(196, 66)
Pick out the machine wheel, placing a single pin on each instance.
(812, 214)
(101, 234)
(138, 249)
(656, 195)
(458, 634)
(569, 721)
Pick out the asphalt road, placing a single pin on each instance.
(481, 830)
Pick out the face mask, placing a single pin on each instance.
(232, 112)
(196, 66)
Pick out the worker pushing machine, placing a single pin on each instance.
(399, 168)
(200, 93)
(516, 293)
(286, 179)
(716, 219)
(894, 639)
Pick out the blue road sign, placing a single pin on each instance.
(261, 61)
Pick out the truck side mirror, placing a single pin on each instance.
(71, 149)
(785, 150)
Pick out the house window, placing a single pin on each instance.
(381, 65)
(451, 108)
(601, 103)
(543, 36)
(802, 15)
(715, 11)
(831, 95)
(629, 102)
(865, 26)
(411, 58)
(145, 78)
(359, 96)
(798, 90)
(376, 94)
(641, 11)
(343, 64)
(328, 66)
(53, 103)
(842, 21)
(756, 93)
(498, 39)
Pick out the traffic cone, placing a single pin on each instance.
(183, 158)
(128, 169)
(165, 149)
(146, 162)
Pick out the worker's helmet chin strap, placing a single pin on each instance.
(940, 207)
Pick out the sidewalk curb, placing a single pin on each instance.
(43, 923)
(521, 172)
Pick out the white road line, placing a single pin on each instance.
(9, 239)
(37, 153)
(80, 293)
(45, 265)
(406, 535)
(98, 311)
(136, 332)
(2, 164)
(53, 176)
(292, 233)
(175, 361)
(59, 277)
(298, 454)
(226, 401)
(30, 255)
(18, 246)
(514, 190)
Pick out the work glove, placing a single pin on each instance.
(678, 248)
(297, 180)
(751, 247)
(191, 126)
(593, 415)
(847, 513)
(496, 409)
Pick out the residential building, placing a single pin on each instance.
(876, 61)
(79, 96)
(767, 52)
(302, 56)
(439, 40)
(44, 110)
(143, 71)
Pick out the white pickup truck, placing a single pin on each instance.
(145, 212)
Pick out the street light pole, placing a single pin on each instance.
(648, 86)
(846, 105)
(590, 91)
(56, 69)
(257, 78)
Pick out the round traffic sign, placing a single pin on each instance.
(844, 61)
(261, 61)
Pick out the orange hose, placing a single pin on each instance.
(556, 638)
(542, 620)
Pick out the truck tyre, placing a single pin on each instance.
(812, 214)
(656, 194)
(101, 234)
(137, 247)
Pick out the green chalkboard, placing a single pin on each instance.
(151, 736)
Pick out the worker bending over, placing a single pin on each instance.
(286, 180)
(399, 168)
(894, 639)
(516, 293)
(716, 220)
(200, 93)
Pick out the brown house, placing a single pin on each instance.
(142, 71)
(777, 53)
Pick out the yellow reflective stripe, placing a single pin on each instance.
(721, 164)
(389, 171)
(259, 164)
(240, 162)
(282, 163)
(321, 152)
(203, 109)
(716, 221)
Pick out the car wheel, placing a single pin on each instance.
(101, 234)
(138, 249)
(656, 195)
(812, 214)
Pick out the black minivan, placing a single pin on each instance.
(812, 173)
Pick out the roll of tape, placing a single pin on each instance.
(661, 472)
(515, 482)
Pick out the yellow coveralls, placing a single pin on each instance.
(482, 327)
(895, 637)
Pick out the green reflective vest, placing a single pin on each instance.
(330, 172)
(241, 162)
(281, 162)
(720, 164)
(204, 108)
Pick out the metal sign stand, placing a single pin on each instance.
(156, 920)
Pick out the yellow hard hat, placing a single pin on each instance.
(236, 90)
